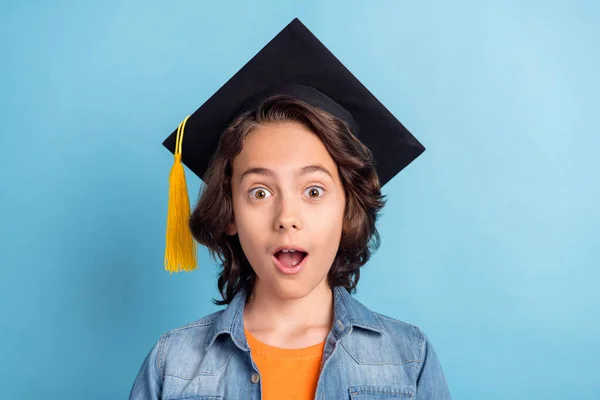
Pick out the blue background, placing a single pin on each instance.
(490, 240)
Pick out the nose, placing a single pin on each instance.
(288, 215)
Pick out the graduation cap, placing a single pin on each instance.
(293, 63)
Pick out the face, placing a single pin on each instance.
(286, 191)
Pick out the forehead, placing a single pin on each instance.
(283, 147)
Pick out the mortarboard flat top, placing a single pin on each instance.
(296, 57)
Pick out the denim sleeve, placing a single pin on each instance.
(148, 383)
(431, 382)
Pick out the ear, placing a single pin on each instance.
(231, 229)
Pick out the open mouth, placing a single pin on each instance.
(290, 257)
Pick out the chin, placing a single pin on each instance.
(292, 290)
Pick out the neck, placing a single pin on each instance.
(267, 312)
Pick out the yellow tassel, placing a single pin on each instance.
(180, 252)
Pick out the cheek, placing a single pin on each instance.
(251, 224)
(327, 222)
(251, 235)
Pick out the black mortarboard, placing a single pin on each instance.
(295, 62)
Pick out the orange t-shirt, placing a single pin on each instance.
(286, 373)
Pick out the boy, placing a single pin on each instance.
(289, 208)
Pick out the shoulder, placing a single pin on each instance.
(198, 326)
(380, 339)
(195, 332)
(407, 344)
(176, 346)
(404, 335)
(401, 328)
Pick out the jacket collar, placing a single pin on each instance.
(348, 313)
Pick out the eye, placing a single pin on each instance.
(314, 191)
(259, 193)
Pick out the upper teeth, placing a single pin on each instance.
(288, 250)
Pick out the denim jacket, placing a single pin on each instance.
(366, 356)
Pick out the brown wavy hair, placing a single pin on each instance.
(364, 200)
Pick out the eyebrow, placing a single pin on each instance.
(271, 174)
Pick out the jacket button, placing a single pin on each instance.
(255, 378)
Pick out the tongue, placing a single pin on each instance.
(291, 258)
